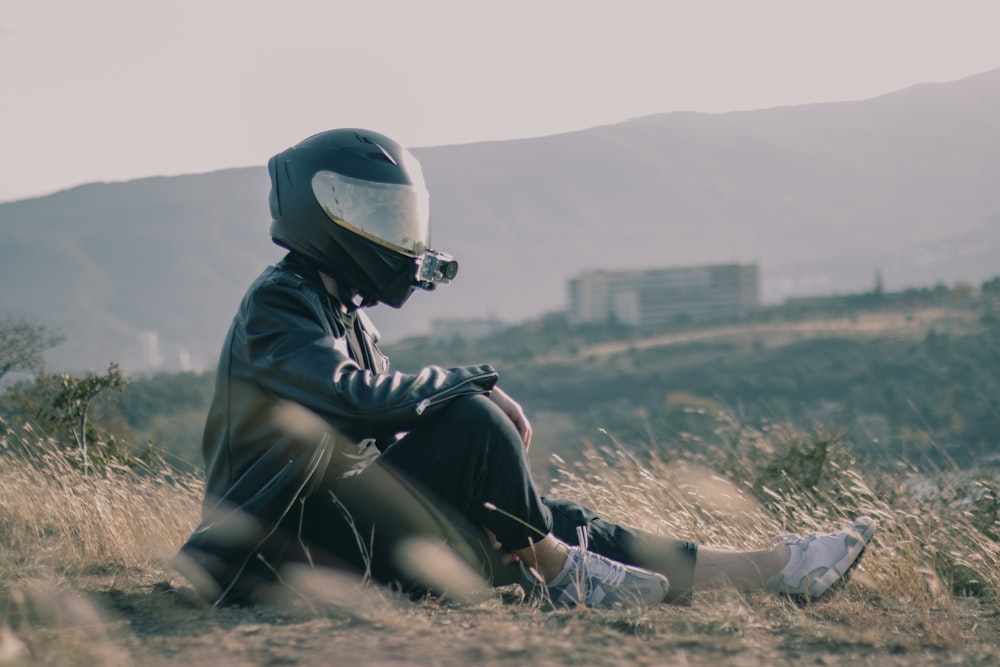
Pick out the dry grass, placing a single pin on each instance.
(935, 540)
(85, 578)
(55, 517)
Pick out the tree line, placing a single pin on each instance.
(937, 396)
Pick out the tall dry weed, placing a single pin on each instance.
(55, 515)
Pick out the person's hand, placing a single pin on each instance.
(506, 558)
(513, 410)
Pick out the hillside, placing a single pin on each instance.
(922, 365)
(821, 196)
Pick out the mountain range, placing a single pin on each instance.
(822, 197)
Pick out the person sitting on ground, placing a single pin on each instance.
(315, 452)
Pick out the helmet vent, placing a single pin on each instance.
(381, 155)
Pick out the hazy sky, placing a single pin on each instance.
(119, 89)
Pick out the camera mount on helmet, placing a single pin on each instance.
(434, 268)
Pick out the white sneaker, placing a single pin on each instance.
(591, 580)
(818, 562)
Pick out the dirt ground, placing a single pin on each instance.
(141, 618)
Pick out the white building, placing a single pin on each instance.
(659, 295)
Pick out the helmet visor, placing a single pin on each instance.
(395, 216)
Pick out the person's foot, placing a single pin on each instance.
(591, 580)
(820, 562)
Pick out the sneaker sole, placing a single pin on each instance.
(824, 580)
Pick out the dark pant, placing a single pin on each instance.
(464, 470)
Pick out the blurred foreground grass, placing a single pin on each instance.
(85, 579)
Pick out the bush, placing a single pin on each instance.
(77, 415)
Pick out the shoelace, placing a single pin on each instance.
(595, 566)
(787, 538)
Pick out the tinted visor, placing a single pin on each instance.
(395, 216)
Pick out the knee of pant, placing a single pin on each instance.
(570, 513)
(475, 412)
(477, 417)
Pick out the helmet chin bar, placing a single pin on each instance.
(434, 268)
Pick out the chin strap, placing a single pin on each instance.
(346, 296)
(350, 298)
(353, 299)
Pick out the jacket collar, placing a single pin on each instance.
(301, 266)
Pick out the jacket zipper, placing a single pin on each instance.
(456, 390)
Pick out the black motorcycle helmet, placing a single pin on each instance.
(354, 203)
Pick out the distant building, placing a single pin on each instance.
(659, 295)
(150, 344)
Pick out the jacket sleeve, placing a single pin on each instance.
(293, 355)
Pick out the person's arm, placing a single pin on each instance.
(294, 357)
(509, 406)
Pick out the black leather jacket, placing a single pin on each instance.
(298, 401)
(288, 344)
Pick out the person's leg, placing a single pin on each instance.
(458, 473)
(686, 565)
(746, 570)
(804, 568)
(674, 559)
(470, 457)
(464, 471)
